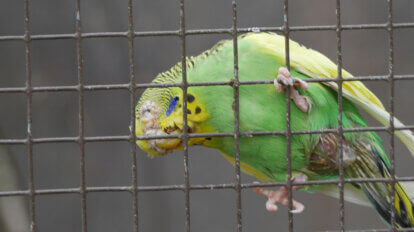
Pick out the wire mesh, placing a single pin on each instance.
(235, 83)
(340, 125)
(29, 115)
(236, 103)
(184, 137)
(288, 132)
(81, 117)
(391, 127)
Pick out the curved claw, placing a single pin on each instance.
(300, 101)
(271, 206)
(299, 83)
(298, 207)
(279, 196)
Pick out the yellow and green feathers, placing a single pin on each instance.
(262, 108)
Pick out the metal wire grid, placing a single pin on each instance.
(182, 33)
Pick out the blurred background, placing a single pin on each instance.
(106, 61)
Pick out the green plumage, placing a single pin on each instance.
(264, 109)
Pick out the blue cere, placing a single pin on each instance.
(171, 106)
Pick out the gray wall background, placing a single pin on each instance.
(107, 112)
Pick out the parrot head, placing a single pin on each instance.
(159, 112)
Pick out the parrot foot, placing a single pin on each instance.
(285, 80)
(280, 196)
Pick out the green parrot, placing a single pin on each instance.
(263, 108)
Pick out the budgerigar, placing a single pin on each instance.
(261, 56)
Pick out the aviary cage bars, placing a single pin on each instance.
(182, 33)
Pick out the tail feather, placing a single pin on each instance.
(372, 164)
(406, 136)
(409, 187)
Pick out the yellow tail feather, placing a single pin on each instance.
(402, 198)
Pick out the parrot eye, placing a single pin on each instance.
(171, 106)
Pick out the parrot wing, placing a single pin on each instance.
(316, 65)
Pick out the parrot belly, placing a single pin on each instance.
(246, 168)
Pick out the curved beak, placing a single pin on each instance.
(147, 125)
